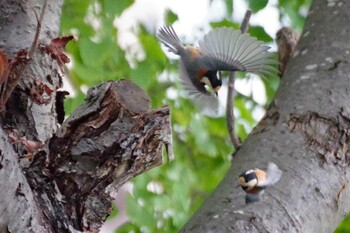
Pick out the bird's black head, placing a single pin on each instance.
(248, 180)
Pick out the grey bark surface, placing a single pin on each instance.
(305, 132)
(18, 26)
(74, 170)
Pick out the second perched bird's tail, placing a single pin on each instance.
(273, 174)
(168, 37)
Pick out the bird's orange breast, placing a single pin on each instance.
(194, 53)
(254, 190)
(201, 72)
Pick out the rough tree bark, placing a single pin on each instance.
(305, 132)
(74, 170)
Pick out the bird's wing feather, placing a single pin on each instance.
(230, 49)
(206, 101)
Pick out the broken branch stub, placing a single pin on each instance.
(108, 140)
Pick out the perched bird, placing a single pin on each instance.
(254, 181)
(222, 49)
(286, 40)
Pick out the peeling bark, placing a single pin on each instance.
(110, 139)
(22, 115)
(328, 138)
(305, 132)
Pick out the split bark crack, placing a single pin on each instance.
(328, 137)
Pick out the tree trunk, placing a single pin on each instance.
(305, 132)
(62, 179)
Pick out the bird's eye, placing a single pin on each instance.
(278, 35)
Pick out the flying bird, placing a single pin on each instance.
(222, 49)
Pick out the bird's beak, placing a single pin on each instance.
(216, 90)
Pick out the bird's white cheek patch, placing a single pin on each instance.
(251, 184)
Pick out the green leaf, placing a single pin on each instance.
(241, 132)
(244, 112)
(217, 126)
(170, 17)
(91, 76)
(93, 54)
(114, 212)
(142, 74)
(116, 7)
(271, 85)
(203, 139)
(224, 23)
(70, 104)
(127, 228)
(146, 71)
(259, 32)
(296, 19)
(139, 214)
(344, 227)
(151, 45)
(257, 5)
(73, 15)
(229, 8)
(293, 10)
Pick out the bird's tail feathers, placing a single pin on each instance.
(168, 37)
(273, 174)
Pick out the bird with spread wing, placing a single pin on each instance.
(222, 49)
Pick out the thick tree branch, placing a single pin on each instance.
(107, 141)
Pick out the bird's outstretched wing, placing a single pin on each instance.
(233, 50)
(206, 101)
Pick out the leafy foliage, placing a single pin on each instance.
(295, 11)
(259, 32)
(257, 5)
(344, 227)
(163, 199)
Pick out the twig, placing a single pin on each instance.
(38, 29)
(230, 118)
(14, 78)
(245, 22)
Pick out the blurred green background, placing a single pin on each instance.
(112, 46)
